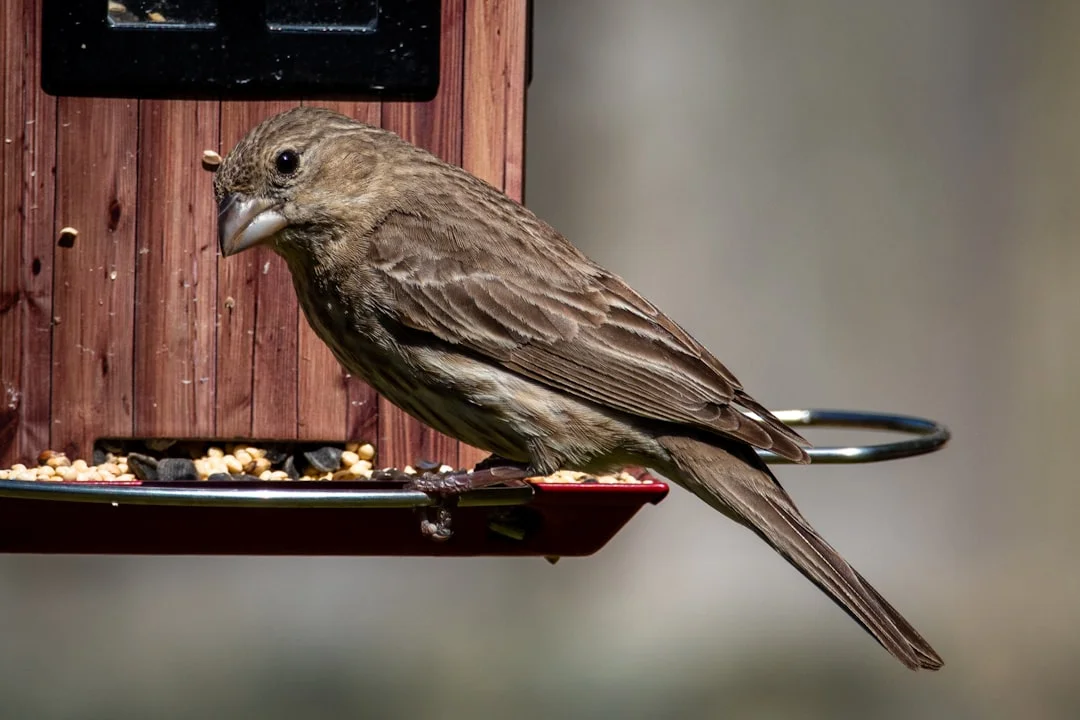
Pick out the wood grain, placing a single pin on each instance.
(257, 321)
(333, 405)
(27, 187)
(176, 271)
(517, 54)
(436, 126)
(141, 327)
(494, 106)
(94, 301)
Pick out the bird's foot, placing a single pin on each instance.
(491, 471)
(447, 487)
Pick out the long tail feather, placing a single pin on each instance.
(735, 481)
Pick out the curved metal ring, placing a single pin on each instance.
(930, 436)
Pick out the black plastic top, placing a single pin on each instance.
(248, 49)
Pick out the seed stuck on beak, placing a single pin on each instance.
(244, 222)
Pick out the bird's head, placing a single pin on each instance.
(294, 178)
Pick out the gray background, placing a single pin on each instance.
(855, 204)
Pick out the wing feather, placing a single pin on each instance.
(536, 306)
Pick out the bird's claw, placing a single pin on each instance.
(439, 528)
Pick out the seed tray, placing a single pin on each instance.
(375, 516)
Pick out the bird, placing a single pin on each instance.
(466, 310)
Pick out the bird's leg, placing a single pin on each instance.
(446, 488)
(492, 470)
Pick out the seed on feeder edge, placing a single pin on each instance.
(275, 455)
(245, 459)
(361, 468)
(176, 470)
(143, 466)
(426, 466)
(366, 451)
(47, 455)
(324, 459)
(290, 468)
(233, 465)
(349, 458)
(261, 465)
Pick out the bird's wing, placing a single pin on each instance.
(544, 311)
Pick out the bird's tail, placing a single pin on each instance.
(735, 481)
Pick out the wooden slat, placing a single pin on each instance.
(27, 185)
(176, 271)
(95, 279)
(494, 106)
(256, 362)
(516, 34)
(437, 126)
(331, 402)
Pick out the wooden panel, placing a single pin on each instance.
(114, 336)
(176, 270)
(516, 29)
(256, 364)
(437, 126)
(95, 278)
(331, 401)
(494, 106)
(27, 185)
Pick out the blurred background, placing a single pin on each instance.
(856, 204)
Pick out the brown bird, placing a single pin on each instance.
(463, 308)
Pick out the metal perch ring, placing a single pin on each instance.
(930, 436)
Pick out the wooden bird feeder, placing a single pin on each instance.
(119, 320)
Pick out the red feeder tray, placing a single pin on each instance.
(311, 518)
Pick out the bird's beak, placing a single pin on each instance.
(244, 222)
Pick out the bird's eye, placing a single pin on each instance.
(286, 162)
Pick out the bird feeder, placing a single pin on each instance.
(125, 336)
